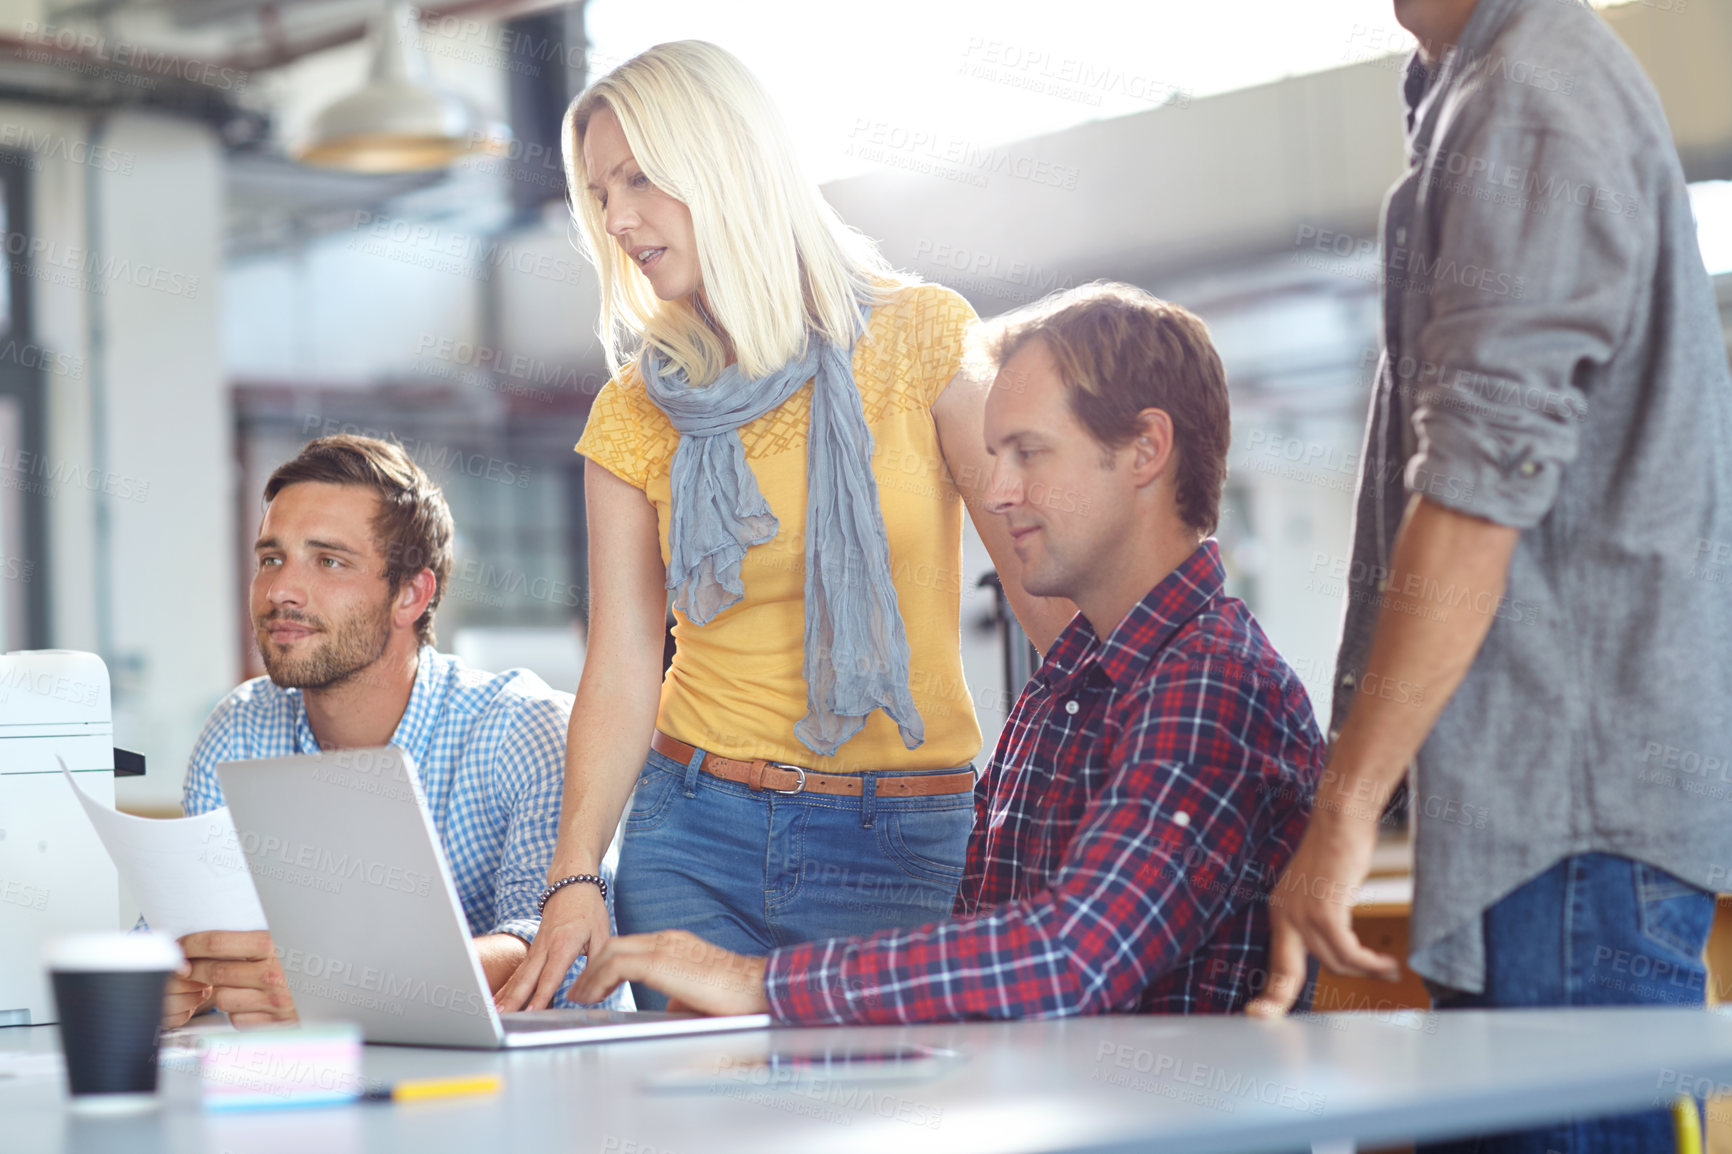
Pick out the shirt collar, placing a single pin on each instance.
(1146, 629)
(1420, 86)
(413, 729)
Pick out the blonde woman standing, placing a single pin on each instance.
(787, 447)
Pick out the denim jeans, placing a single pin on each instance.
(750, 871)
(1594, 930)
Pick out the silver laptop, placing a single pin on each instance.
(363, 912)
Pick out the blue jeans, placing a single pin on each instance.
(750, 871)
(1594, 930)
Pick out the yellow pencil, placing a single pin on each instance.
(422, 1089)
(1687, 1126)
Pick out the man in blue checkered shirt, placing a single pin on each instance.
(353, 556)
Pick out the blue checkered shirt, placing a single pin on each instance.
(490, 749)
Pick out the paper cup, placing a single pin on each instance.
(109, 989)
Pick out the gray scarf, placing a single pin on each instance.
(856, 648)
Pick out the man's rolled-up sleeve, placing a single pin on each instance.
(1534, 270)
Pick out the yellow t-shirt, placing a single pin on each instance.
(735, 686)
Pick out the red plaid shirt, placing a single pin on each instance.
(1145, 795)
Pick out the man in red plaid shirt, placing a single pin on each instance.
(1156, 774)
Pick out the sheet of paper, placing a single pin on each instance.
(30, 1066)
(187, 872)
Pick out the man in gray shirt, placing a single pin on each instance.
(1539, 614)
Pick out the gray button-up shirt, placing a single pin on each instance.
(1554, 362)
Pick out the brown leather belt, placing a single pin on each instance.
(779, 777)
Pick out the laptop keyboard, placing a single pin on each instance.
(529, 1021)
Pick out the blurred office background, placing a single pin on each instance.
(185, 303)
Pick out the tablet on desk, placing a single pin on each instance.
(779, 1068)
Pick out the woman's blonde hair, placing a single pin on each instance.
(776, 260)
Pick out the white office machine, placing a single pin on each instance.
(55, 876)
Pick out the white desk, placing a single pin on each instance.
(1197, 1085)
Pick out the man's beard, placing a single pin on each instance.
(336, 653)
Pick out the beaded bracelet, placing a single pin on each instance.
(597, 879)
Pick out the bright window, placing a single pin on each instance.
(978, 74)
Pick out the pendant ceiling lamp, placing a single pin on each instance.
(400, 121)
